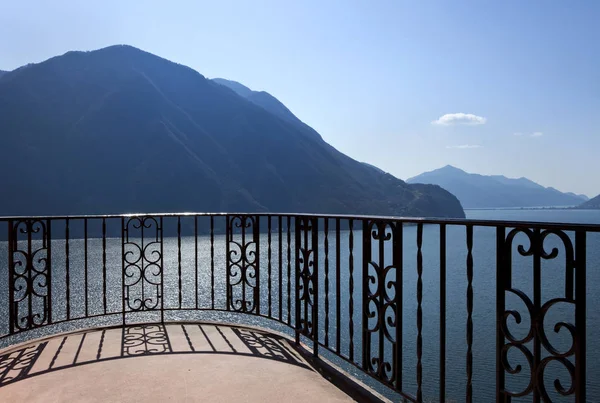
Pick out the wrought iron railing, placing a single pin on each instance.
(349, 289)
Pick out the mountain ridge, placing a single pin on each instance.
(495, 191)
(120, 130)
(593, 204)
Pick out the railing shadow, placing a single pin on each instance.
(103, 344)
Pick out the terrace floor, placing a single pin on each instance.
(182, 362)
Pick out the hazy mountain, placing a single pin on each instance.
(481, 191)
(121, 130)
(581, 196)
(2, 72)
(591, 203)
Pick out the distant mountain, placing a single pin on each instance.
(495, 191)
(2, 72)
(120, 130)
(591, 204)
(581, 196)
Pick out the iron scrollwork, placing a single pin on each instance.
(306, 276)
(380, 295)
(142, 264)
(30, 271)
(243, 266)
(535, 347)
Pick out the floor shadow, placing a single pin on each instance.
(97, 345)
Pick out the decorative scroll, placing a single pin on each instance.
(535, 348)
(380, 295)
(243, 259)
(142, 264)
(16, 365)
(306, 276)
(30, 270)
(145, 339)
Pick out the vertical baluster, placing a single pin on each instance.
(326, 245)
(196, 259)
(269, 264)
(256, 240)
(419, 312)
(162, 272)
(289, 270)
(366, 260)
(338, 282)
(212, 261)
(67, 269)
(280, 270)
(298, 304)
(28, 267)
(142, 260)
(351, 286)
(469, 313)
(104, 264)
(502, 283)
(179, 260)
(580, 315)
(442, 313)
(124, 307)
(399, 264)
(228, 237)
(243, 286)
(12, 246)
(537, 303)
(85, 264)
(49, 268)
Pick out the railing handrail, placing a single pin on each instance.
(564, 226)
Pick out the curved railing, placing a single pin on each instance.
(390, 300)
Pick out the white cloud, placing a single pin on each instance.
(534, 134)
(464, 146)
(459, 119)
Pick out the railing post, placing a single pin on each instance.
(500, 307)
(366, 258)
(580, 319)
(11, 289)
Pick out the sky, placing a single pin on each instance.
(493, 87)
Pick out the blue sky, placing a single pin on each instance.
(408, 86)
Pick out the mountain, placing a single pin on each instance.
(581, 196)
(120, 130)
(481, 191)
(269, 103)
(2, 72)
(374, 167)
(591, 204)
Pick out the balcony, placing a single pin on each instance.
(295, 307)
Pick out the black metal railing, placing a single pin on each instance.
(378, 296)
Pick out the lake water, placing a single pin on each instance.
(484, 282)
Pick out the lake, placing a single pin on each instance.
(456, 315)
